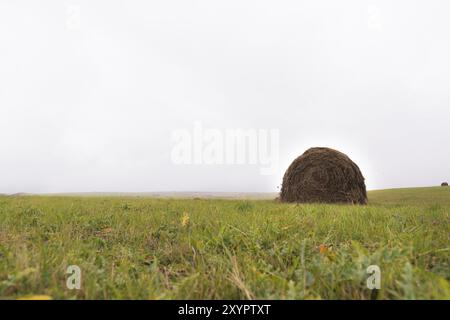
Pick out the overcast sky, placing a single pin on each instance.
(91, 92)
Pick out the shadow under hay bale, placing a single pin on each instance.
(323, 175)
(444, 184)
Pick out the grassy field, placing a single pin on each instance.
(146, 248)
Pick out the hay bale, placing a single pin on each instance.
(323, 175)
(444, 184)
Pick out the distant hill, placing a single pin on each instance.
(401, 196)
(175, 194)
(411, 196)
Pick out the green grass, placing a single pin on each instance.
(143, 248)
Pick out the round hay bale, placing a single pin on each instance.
(444, 184)
(323, 175)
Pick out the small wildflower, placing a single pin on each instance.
(323, 249)
(185, 219)
(327, 252)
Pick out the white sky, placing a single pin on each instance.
(90, 104)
